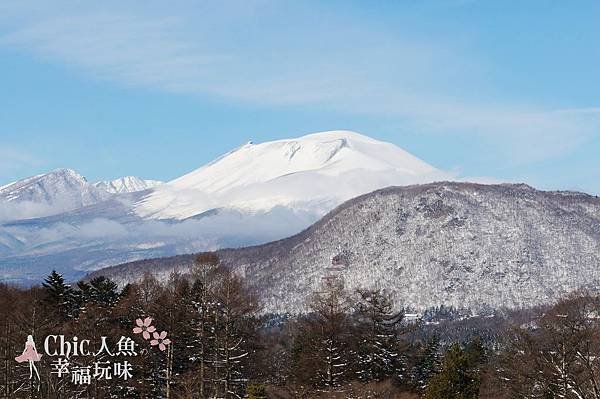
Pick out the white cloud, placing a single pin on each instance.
(227, 228)
(345, 65)
(24, 210)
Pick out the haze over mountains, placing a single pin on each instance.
(253, 194)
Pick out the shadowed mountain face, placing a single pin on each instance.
(466, 245)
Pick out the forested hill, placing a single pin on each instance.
(457, 244)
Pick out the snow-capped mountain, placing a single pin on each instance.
(61, 190)
(456, 244)
(254, 194)
(127, 184)
(58, 191)
(313, 172)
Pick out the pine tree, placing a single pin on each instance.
(202, 307)
(460, 376)
(172, 307)
(101, 291)
(220, 311)
(60, 296)
(428, 363)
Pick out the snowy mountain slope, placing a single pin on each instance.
(315, 172)
(61, 190)
(127, 184)
(58, 191)
(461, 244)
(251, 195)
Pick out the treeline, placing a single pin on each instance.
(218, 344)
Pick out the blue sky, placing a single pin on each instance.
(501, 90)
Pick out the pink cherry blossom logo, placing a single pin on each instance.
(144, 327)
(161, 340)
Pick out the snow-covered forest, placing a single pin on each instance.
(464, 245)
(205, 335)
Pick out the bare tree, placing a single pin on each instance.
(233, 328)
(379, 330)
(322, 354)
(559, 354)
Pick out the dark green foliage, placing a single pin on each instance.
(347, 346)
(60, 296)
(256, 391)
(101, 291)
(428, 363)
(460, 376)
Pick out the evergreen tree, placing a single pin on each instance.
(172, 307)
(234, 327)
(219, 325)
(60, 296)
(460, 376)
(101, 291)
(428, 363)
(202, 307)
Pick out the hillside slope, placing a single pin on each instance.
(461, 244)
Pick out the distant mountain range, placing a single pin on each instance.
(253, 194)
(472, 246)
(58, 191)
(61, 190)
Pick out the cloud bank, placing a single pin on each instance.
(270, 53)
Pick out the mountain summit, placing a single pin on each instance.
(318, 170)
(254, 194)
(54, 192)
(61, 190)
